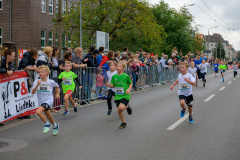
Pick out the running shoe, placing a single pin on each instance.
(55, 130)
(123, 125)
(191, 120)
(223, 79)
(182, 113)
(109, 112)
(75, 108)
(129, 109)
(46, 128)
(203, 84)
(66, 112)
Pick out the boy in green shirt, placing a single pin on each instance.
(67, 78)
(123, 84)
(222, 68)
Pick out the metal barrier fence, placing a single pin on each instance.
(146, 77)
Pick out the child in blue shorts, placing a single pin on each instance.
(216, 68)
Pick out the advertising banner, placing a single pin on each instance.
(16, 96)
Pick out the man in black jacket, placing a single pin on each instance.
(92, 57)
(28, 60)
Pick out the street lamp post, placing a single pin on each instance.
(209, 36)
(81, 23)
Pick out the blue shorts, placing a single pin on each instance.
(222, 71)
(216, 70)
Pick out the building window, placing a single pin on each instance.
(50, 38)
(1, 37)
(64, 6)
(51, 7)
(63, 40)
(69, 6)
(43, 4)
(56, 39)
(56, 6)
(43, 38)
(211, 44)
(207, 44)
(1, 4)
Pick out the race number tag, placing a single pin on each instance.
(44, 88)
(197, 65)
(67, 82)
(204, 69)
(183, 86)
(119, 90)
(215, 66)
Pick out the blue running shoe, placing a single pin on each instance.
(223, 79)
(66, 112)
(75, 108)
(109, 112)
(191, 120)
(182, 113)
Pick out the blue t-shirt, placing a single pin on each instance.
(197, 63)
(215, 66)
(203, 58)
(99, 59)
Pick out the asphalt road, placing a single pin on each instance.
(90, 134)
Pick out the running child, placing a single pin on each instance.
(123, 84)
(67, 78)
(197, 64)
(203, 71)
(235, 67)
(193, 70)
(216, 68)
(111, 91)
(222, 68)
(186, 81)
(44, 88)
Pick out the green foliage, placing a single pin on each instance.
(133, 24)
(217, 51)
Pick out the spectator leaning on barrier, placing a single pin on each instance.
(116, 56)
(45, 58)
(77, 59)
(7, 61)
(91, 57)
(28, 60)
(106, 58)
(67, 57)
(140, 52)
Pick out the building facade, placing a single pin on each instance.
(29, 23)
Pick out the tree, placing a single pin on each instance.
(238, 56)
(216, 51)
(177, 25)
(129, 23)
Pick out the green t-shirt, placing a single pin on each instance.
(222, 67)
(68, 82)
(121, 83)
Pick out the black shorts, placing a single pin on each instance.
(223, 71)
(216, 71)
(46, 106)
(188, 99)
(123, 101)
(199, 74)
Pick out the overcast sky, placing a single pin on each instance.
(226, 10)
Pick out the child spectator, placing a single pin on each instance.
(99, 81)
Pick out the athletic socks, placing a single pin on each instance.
(55, 125)
(47, 123)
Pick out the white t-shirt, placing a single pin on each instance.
(235, 68)
(192, 71)
(185, 88)
(44, 91)
(204, 67)
(109, 74)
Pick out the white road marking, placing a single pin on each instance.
(206, 100)
(230, 82)
(174, 125)
(222, 88)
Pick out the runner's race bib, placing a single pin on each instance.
(67, 82)
(215, 66)
(204, 69)
(183, 86)
(197, 65)
(119, 90)
(44, 88)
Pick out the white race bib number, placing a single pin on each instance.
(215, 66)
(204, 69)
(197, 65)
(119, 90)
(44, 88)
(67, 81)
(183, 86)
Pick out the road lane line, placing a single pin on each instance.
(206, 100)
(222, 88)
(174, 125)
(230, 82)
